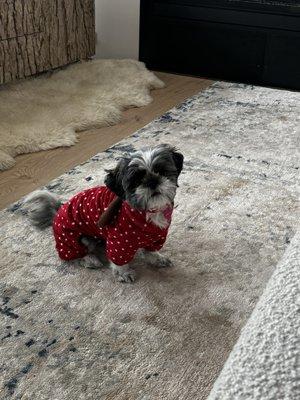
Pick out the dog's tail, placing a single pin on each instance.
(41, 207)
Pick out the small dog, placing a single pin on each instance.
(146, 182)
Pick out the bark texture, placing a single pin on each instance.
(38, 35)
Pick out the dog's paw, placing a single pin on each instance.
(155, 259)
(127, 276)
(124, 274)
(163, 262)
(91, 262)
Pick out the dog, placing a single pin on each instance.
(144, 184)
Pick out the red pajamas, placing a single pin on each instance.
(129, 232)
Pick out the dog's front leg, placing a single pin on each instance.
(123, 273)
(156, 259)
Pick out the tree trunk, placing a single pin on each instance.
(38, 35)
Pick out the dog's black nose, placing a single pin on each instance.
(152, 182)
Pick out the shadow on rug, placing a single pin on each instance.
(70, 333)
(46, 112)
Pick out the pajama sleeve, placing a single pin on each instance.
(119, 249)
(157, 245)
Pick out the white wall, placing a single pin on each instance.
(117, 27)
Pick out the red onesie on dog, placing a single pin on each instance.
(129, 231)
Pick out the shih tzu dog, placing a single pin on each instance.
(131, 213)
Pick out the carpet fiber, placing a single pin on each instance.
(46, 112)
(71, 333)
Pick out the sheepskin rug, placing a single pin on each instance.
(46, 112)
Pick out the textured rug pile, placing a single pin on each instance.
(71, 333)
(46, 112)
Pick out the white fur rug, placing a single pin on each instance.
(46, 112)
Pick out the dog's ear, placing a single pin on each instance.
(114, 177)
(177, 157)
(178, 161)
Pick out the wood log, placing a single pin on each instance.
(38, 35)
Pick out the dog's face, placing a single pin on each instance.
(147, 179)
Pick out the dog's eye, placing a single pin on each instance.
(133, 178)
(137, 175)
(159, 170)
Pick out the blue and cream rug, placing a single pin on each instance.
(71, 333)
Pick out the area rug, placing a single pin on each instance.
(46, 112)
(72, 333)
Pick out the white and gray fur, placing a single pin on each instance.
(146, 179)
(41, 207)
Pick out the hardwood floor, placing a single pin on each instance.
(36, 169)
